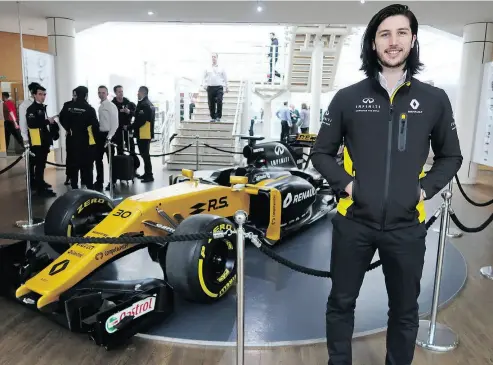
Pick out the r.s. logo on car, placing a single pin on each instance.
(212, 204)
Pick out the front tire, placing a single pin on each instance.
(202, 270)
(74, 214)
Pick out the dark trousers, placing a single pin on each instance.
(101, 150)
(144, 150)
(215, 99)
(39, 163)
(284, 130)
(11, 130)
(68, 160)
(272, 63)
(82, 163)
(402, 254)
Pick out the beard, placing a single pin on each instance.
(393, 62)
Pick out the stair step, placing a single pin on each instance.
(203, 149)
(191, 165)
(223, 125)
(205, 132)
(203, 157)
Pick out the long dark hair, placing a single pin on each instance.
(369, 58)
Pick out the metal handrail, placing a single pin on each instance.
(239, 105)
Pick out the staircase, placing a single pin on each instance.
(299, 75)
(201, 130)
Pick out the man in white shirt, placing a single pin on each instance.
(108, 124)
(215, 81)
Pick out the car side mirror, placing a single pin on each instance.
(187, 173)
(235, 180)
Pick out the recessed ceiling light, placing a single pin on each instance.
(259, 8)
(150, 13)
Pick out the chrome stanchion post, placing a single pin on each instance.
(432, 335)
(451, 231)
(240, 219)
(31, 221)
(487, 272)
(197, 152)
(109, 144)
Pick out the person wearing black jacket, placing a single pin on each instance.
(80, 121)
(126, 111)
(387, 123)
(40, 138)
(68, 159)
(143, 128)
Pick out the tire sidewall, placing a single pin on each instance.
(197, 287)
(72, 204)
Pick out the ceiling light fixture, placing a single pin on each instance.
(259, 8)
(362, 1)
(150, 13)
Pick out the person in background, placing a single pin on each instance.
(108, 125)
(25, 130)
(10, 122)
(284, 115)
(68, 160)
(295, 118)
(40, 138)
(126, 111)
(304, 123)
(143, 128)
(80, 121)
(273, 56)
(215, 82)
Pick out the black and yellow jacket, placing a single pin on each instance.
(387, 141)
(37, 124)
(80, 121)
(143, 125)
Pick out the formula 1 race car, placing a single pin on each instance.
(57, 278)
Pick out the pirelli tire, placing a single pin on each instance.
(74, 214)
(202, 271)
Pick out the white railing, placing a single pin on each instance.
(237, 120)
(167, 129)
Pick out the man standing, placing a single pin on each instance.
(284, 114)
(143, 127)
(126, 110)
(79, 119)
(108, 124)
(273, 56)
(387, 122)
(10, 123)
(40, 138)
(215, 83)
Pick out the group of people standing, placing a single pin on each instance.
(88, 134)
(292, 120)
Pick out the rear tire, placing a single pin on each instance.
(83, 205)
(202, 270)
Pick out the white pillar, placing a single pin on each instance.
(316, 86)
(61, 44)
(477, 50)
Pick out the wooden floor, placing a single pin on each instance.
(28, 338)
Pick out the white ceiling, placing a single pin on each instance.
(449, 16)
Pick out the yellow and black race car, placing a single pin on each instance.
(278, 197)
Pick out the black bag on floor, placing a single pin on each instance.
(123, 167)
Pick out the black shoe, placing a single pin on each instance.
(147, 179)
(108, 187)
(45, 193)
(67, 182)
(98, 186)
(46, 185)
